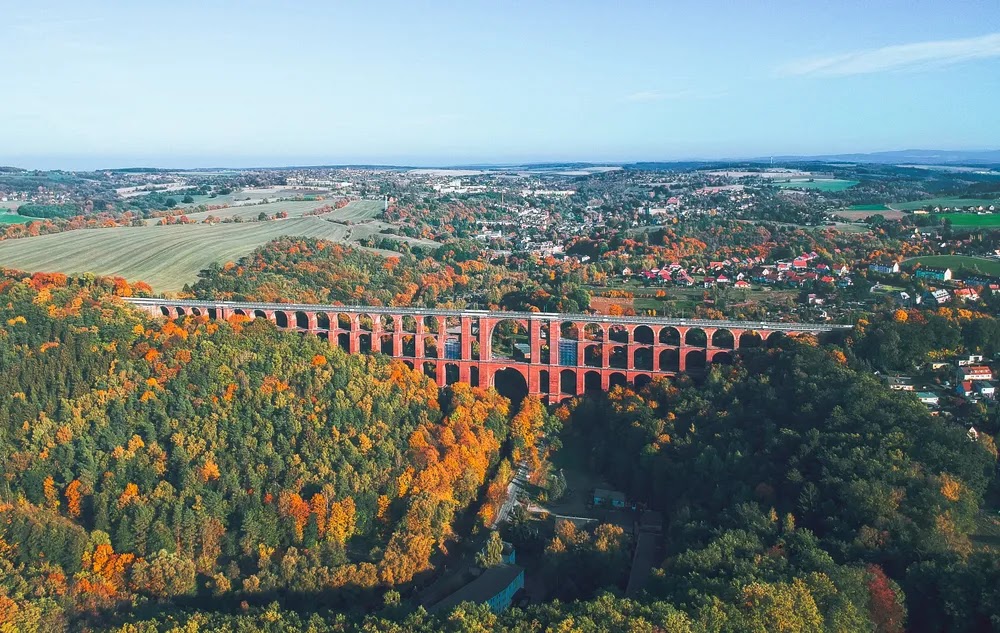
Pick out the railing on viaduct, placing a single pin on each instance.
(558, 356)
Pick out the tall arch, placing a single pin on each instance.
(280, 319)
(750, 339)
(643, 358)
(696, 337)
(567, 382)
(592, 382)
(617, 379)
(322, 321)
(618, 358)
(509, 340)
(670, 336)
(643, 335)
(694, 360)
(301, 320)
(618, 334)
(723, 338)
(670, 360)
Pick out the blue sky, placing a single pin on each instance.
(98, 84)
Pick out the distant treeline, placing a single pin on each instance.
(48, 210)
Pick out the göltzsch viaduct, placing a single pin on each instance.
(557, 356)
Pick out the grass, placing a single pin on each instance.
(294, 209)
(955, 262)
(855, 215)
(942, 202)
(13, 218)
(971, 219)
(868, 207)
(818, 185)
(166, 257)
(357, 211)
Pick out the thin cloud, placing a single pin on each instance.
(915, 56)
(648, 96)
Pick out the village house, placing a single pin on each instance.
(966, 294)
(937, 274)
(973, 372)
(884, 269)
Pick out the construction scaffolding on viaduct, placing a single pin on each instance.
(558, 356)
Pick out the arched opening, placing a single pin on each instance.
(618, 334)
(543, 381)
(452, 374)
(344, 322)
(344, 341)
(430, 370)
(750, 339)
(510, 384)
(723, 338)
(776, 339)
(474, 376)
(409, 324)
(213, 313)
(165, 311)
(477, 354)
(569, 331)
(670, 336)
(591, 382)
(430, 347)
(325, 335)
(695, 360)
(644, 358)
(509, 340)
(696, 337)
(239, 312)
(385, 344)
(196, 311)
(408, 363)
(366, 323)
(722, 358)
(567, 382)
(259, 314)
(322, 321)
(593, 355)
(365, 343)
(431, 324)
(641, 381)
(280, 319)
(617, 379)
(301, 320)
(593, 332)
(180, 311)
(643, 335)
(669, 360)
(409, 344)
(618, 357)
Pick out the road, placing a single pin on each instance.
(514, 489)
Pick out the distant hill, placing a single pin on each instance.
(907, 156)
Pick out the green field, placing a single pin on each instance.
(955, 262)
(971, 219)
(867, 207)
(356, 211)
(818, 185)
(13, 218)
(294, 209)
(942, 202)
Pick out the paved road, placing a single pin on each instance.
(513, 492)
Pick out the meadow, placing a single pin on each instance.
(942, 202)
(971, 219)
(955, 262)
(13, 218)
(818, 185)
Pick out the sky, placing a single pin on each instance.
(207, 83)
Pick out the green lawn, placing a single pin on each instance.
(955, 262)
(818, 185)
(942, 202)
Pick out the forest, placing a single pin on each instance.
(201, 475)
(147, 462)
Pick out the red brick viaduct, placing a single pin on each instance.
(557, 356)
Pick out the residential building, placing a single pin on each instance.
(974, 372)
(884, 269)
(971, 359)
(966, 294)
(936, 274)
(496, 587)
(900, 383)
(928, 398)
